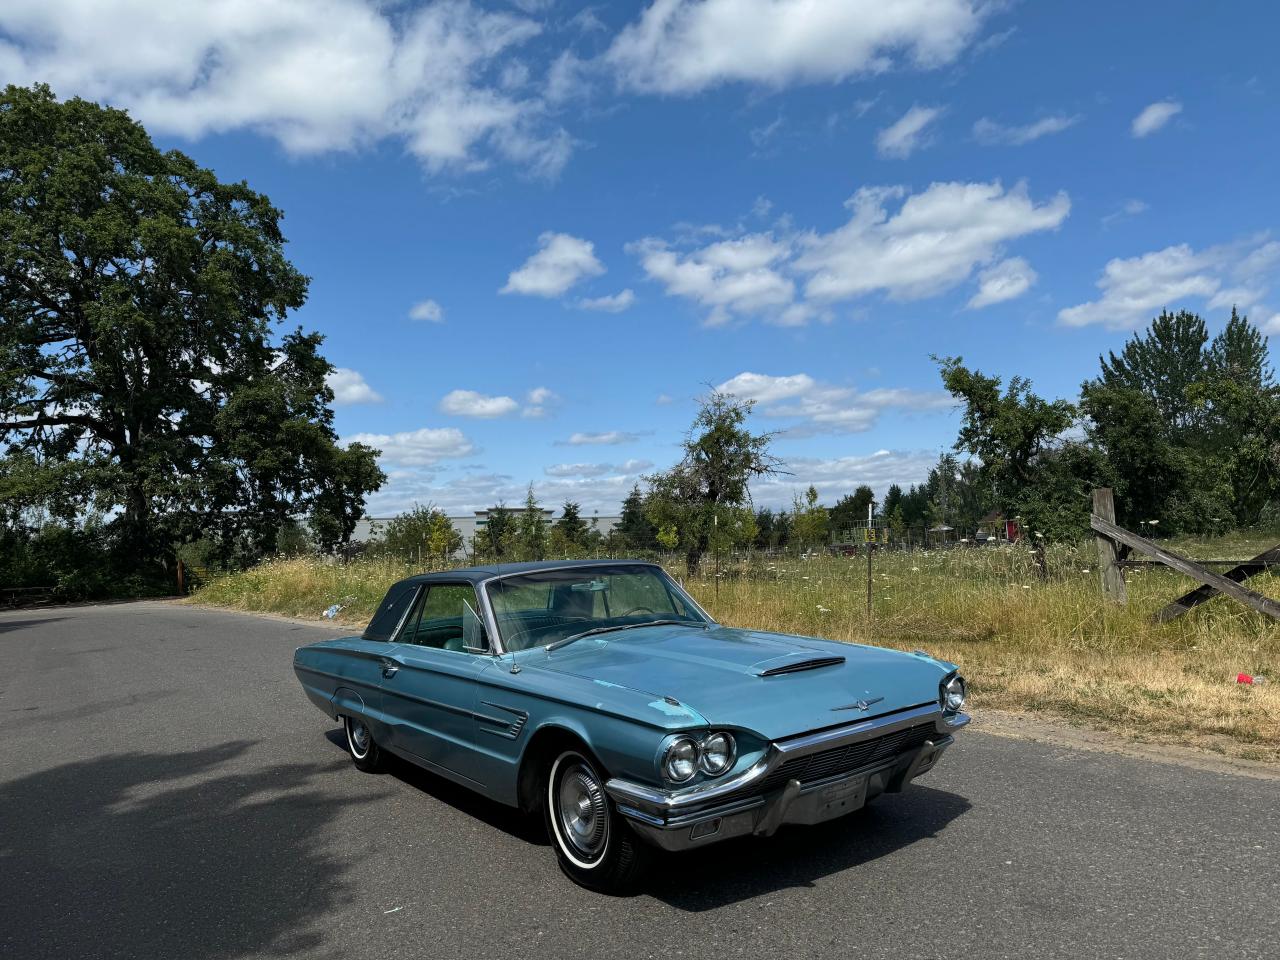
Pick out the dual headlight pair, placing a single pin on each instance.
(953, 693)
(685, 756)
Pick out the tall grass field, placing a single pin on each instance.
(1052, 647)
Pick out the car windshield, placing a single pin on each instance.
(548, 606)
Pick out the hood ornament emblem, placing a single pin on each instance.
(862, 705)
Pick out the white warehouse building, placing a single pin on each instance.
(469, 524)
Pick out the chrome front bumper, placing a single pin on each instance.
(750, 803)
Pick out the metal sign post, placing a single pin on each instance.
(871, 535)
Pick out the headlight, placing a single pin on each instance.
(680, 762)
(717, 754)
(953, 693)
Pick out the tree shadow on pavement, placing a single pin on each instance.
(798, 856)
(176, 855)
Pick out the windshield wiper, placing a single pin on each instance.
(564, 641)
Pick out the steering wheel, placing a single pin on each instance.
(640, 609)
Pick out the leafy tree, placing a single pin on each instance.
(1163, 363)
(1240, 354)
(810, 520)
(1008, 431)
(138, 363)
(571, 526)
(764, 529)
(634, 526)
(531, 532)
(421, 535)
(339, 503)
(1013, 435)
(850, 509)
(499, 532)
(292, 540)
(721, 456)
(892, 499)
(1199, 415)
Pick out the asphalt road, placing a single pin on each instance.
(166, 791)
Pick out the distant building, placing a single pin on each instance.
(469, 524)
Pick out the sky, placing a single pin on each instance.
(537, 231)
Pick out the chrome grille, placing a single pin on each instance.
(853, 756)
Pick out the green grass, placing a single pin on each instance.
(1054, 647)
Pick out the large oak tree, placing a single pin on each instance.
(141, 369)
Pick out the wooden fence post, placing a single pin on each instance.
(1104, 507)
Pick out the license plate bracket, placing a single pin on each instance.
(843, 796)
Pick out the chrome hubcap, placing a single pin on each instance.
(359, 734)
(584, 817)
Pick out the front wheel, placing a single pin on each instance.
(365, 753)
(593, 843)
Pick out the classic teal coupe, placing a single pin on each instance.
(602, 695)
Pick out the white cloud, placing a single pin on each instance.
(837, 476)
(616, 303)
(1154, 116)
(990, 132)
(349, 388)
(469, 403)
(478, 489)
(315, 75)
(684, 46)
(427, 310)
(932, 243)
(538, 400)
(627, 468)
(907, 134)
(418, 448)
(608, 438)
(727, 277)
(1135, 289)
(1005, 280)
(1130, 208)
(824, 408)
(561, 261)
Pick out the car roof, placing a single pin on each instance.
(489, 571)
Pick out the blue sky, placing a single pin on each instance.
(537, 230)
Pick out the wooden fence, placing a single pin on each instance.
(1115, 544)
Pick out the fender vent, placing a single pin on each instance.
(796, 666)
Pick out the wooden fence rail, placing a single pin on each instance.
(1114, 542)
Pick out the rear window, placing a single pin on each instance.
(389, 612)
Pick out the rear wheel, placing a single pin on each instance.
(365, 753)
(593, 843)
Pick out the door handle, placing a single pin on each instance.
(389, 669)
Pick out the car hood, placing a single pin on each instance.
(773, 684)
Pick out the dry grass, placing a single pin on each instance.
(1051, 647)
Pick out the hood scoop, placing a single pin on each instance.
(794, 663)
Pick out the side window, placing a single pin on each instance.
(447, 619)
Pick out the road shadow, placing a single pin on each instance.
(34, 716)
(497, 815)
(10, 626)
(798, 856)
(167, 855)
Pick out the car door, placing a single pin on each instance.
(430, 689)
(350, 672)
